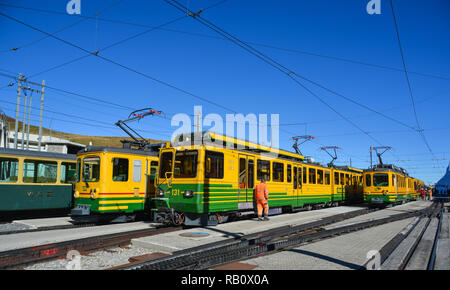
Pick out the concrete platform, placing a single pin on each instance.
(45, 222)
(407, 207)
(30, 239)
(346, 252)
(189, 238)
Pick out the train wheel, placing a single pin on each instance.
(178, 218)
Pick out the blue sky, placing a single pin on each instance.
(320, 40)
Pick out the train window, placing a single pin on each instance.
(327, 177)
(137, 170)
(312, 176)
(214, 164)
(68, 172)
(153, 168)
(289, 173)
(278, 172)
(36, 171)
(263, 169)
(336, 178)
(300, 176)
(295, 177)
(120, 169)
(91, 169)
(186, 164)
(341, 178)
(347, 179)
(319, 176)
(9, 170)
(251, 173)
(305, 175)
(380, 179)
(368, 180)
(165, 166)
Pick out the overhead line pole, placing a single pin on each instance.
(16, 130)
(41, 115)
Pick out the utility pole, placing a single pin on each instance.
(23, 120)
(40, 117)
(16, 130)
(28, 124)
(19, 90)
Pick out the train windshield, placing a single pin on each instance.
(380, 179)
(186, 164)
(91, 169)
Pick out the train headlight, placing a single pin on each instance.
(188, 194)
(385, 192)
(161, 192)
(94, 194)
(76, 194)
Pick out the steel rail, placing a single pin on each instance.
(436, 240)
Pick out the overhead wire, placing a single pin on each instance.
(121, 65)
(262, 57)
(419, 128)
(297, 51)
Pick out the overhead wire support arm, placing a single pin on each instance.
(137, 115)
(305, 139)
(386, 148)
(334, 158)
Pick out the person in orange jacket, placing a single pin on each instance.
(261, 197)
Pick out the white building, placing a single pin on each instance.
(48, 143)
(443, 185)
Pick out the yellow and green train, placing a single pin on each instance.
(114, 184)
(32, 181)
(388, 184)
(208, 183)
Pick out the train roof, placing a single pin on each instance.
(388, 167)
(40, 154)
(211, 138)
(148, 152)
(348, 168)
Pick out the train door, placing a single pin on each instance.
(297, 185)
(165, 172)
(246, 181)
(395, 183)
(151, 176)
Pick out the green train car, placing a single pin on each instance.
(35, 181)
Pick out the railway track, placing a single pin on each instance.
(19, 258)
(415, 248)
(270, 241)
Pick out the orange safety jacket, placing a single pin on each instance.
(261, 191)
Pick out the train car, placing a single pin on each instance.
(208, 183)
(32, 181)
(114, 184)
(388, 184)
